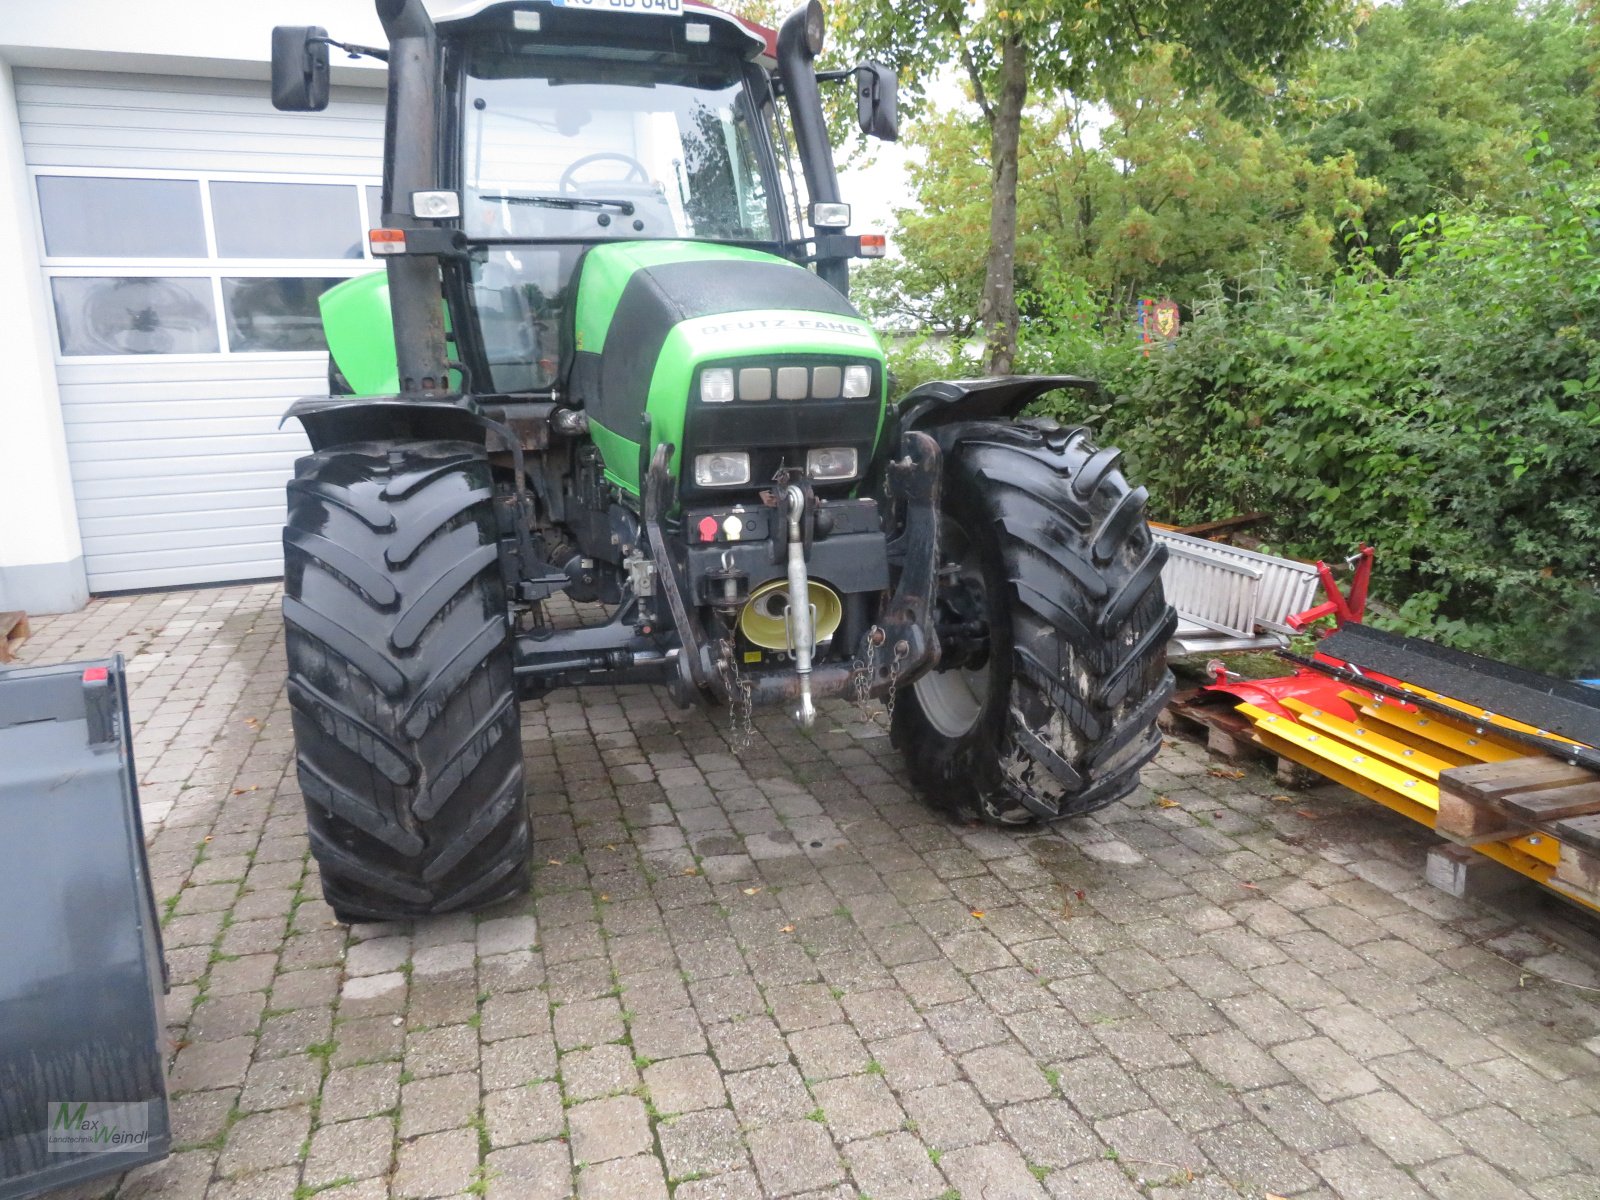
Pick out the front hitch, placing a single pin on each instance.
(900, 647)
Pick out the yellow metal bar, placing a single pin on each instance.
(1366, 773)
(1442, 732)
(1327, 752)
(1402, 755)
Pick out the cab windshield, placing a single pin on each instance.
(563, 146)
(567, 145)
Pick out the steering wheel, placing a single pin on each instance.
(636, 169)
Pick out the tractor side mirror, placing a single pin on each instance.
(299, 68)
(877, 101)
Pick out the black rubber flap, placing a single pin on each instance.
(1554, 705)
(82, 1085)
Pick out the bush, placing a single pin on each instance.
(1450, 416)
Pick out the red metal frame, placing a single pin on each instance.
(1308, 686)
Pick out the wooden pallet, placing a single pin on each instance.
(1535, 799)
(1488, 800)
(13, 632)
(1229, 735)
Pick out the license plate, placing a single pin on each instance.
(665, 8)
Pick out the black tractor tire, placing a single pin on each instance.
(1061, 715)
(401, 687)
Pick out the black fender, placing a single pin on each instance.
(996, 398)
(339, 420)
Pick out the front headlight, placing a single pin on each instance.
(834, 463)
(716, 385)
(857, 382)
(724, 469)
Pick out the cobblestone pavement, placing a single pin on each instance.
(777, 973)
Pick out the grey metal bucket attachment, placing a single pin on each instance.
(82, 1080)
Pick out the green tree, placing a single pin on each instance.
(1174, 192)
(1048, 48)
(1438, 99)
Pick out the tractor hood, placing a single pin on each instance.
(650, 317)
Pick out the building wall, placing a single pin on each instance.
(41, 554)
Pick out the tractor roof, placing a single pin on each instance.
(763, 40)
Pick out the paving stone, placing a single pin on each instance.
(600, 1071)
(1399, 1129)
(1004, 1075)
(1090, 1181)
(858, 1106)
(1149, 1137)
(701, 1143)
(1251, 1158)
(880, 1014)
(681, 1085)
(638, 1178)
(1049, 1133)
(611, 1128)
(766, 1095)
(913, 1060)
(442, 1051)
(1509, 1142)
(529, 1113)
(949, 1117)
(203, 1065)
(1364, 1173)
(199, 1117)
(740, 1045)
(991, 1170)
(735, 1185)
(277, 1184)
(515, 1061)
(794, 1157)
(280, 1082)
(588, 1023)
(1302, 1121)
(1098, 1087)
(539, 1171)
(1347, 1024)
(895, 1167)
(667, 1034)
(350, 1150)
(441, 1102)
(1325, 1068)
(1468, 1178)
(263, 1140)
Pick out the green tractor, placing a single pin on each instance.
(612, 367)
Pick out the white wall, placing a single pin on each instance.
(41, 559)
(41, 556)
(196, 37)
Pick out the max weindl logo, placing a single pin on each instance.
(86, 1126)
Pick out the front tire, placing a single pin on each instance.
(401, 688)
(1043, 543)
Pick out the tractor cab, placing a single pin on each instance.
(557, 127)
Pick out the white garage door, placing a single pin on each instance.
(187, 229)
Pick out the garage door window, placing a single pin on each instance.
(86, 216)
(134, 315)
(286, 220)
(139, 265)
(274, 314)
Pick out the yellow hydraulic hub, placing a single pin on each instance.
(1395, 756)
(764, 618)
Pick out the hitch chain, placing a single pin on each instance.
(862, 675)
(739, 703)
(902, 649)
